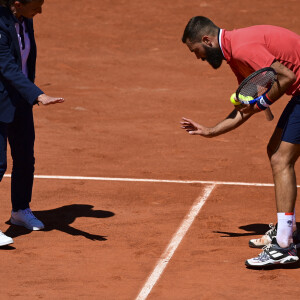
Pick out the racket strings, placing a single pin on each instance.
(257, 86)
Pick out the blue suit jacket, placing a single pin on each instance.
(16, 90)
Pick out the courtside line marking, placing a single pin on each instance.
(148, 180)
(176, 240)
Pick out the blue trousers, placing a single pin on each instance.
(20, 135)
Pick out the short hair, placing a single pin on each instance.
(197, 27)
(9, 3)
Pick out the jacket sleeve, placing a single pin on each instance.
(12, 73)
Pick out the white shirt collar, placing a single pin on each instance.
(220, 40)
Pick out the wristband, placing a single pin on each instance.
(263, 102)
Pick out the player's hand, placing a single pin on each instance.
(247, 109)
(194, 128)
(47, 100)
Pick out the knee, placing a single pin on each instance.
(279, 163)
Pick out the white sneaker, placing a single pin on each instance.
(273, 254)
(4, 239)
(266, 239)
(27, 219)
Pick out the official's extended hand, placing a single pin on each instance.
(194, 128)
(46, 100)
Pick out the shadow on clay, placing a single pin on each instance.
(61, 218)
(251, 229)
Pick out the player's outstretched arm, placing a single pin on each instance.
(47, 100)
(234, 120)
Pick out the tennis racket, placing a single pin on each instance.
(256, 85)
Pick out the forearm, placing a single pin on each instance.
(234, 120)
(285, 79)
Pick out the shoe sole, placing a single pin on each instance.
(284, 261)
(252, 245)
(14, 222)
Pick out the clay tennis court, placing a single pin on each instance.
(143, 210)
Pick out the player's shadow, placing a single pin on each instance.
(61, 218)
(251, 229)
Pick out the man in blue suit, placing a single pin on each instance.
(18, 94)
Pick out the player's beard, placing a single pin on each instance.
(214, 56)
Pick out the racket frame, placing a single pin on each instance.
(268, 112)
(246, 80)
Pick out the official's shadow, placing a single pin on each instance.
(61, 218)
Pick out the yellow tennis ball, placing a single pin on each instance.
(233, 100)
(245, 98)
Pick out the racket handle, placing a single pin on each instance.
(269, 115)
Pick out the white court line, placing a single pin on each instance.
(176, 240)
(148, 180)
(167, 255)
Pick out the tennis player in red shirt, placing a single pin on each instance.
(247, 50)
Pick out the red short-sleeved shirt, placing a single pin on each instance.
(249, 49)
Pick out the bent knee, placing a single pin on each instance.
(280, 162)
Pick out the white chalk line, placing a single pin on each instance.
(176, 240)
(187, 222)
(149, 180)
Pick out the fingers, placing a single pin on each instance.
(194, 128)
(192, 132)
(247, 109)
(56, 100)
(185, 120)
(187, 126)
(53, 101)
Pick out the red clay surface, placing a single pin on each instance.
(128, 80)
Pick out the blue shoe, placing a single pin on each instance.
(25, 218)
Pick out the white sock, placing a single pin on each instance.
(285, 229)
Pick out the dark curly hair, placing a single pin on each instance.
(9, 3)
(197, 27)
